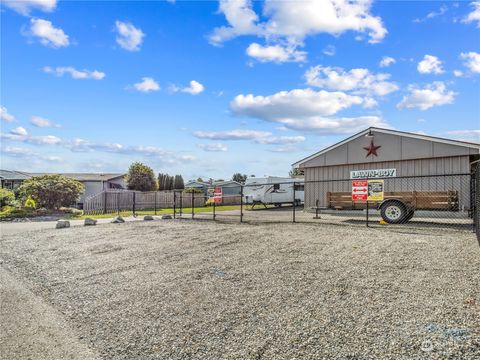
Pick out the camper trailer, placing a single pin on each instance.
(273, 190)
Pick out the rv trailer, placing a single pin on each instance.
(273, 191)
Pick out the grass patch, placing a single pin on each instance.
(160, 212)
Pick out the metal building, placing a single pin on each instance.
(409, 162)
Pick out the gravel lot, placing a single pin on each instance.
(198, 289)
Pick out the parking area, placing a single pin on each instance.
(208, 290)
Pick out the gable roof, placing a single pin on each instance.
(226, 183)
(391, 132)
(21, 175)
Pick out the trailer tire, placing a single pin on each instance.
(394, 212)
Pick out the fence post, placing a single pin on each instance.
(367, 213)
(214, 208)
(294, 201)
(118, 204)
(156, 202)
(241, 203)
(181, 203)
(193, 204)
(133, 203)
(104, 202)
(174, 204)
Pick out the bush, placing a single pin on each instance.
(51, 191)
(30, 203)
(140, 177)
(9, 212)
(7, 197)
(190, 190)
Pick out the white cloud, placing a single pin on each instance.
(289, 23)
(129, 37)
(18, 152)
(387, 61)
(36, 140)
(430, 65)
(41, 122)
(24, 7)
(5, 115)
(48, 34)
(147, 84)
(457, 73)
(474, 16)
(20, 131)
(195, 88)
(332, 126)
(466, 135)
(361, 81)
(74, 73)
(472, 61)
(213, 147)
(275, 53)
(329, 50)
(434, 94)
(443, 9)
(294, 103)
(258, 137)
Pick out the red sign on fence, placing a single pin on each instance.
(217, 195)
(359, 190)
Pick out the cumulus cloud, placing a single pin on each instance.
(41, 122)
(5, 115)
(293, 103)
(431, 95)
(457, 73)
(147, 84)
(128, 36)
(24, 7)
(387, 61)
(472, 61)
(36, 140)
(48, 34)
(213, 147)
(275, 53)
(465, 135)
(329, 50)
(430, 65)
(20, 131)
(74, 73)
(474, 16)
(24, 153)
(289, 23)
(194, 88)
(360, 81)
(433, 14)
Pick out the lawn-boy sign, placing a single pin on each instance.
(373, 174)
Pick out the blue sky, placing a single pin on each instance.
(207, 88)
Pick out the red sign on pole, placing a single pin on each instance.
(359, 190)
(217, 195)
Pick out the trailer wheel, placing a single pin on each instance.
(394, 212)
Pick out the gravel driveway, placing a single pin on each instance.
(195, 289)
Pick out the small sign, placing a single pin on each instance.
(376, 173)
(375, 190)
(359, 190)
(217, 194)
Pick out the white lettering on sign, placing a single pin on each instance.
(372, 174)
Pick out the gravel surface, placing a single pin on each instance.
(198, 289)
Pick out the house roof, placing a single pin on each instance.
(21, 175)
(13, 175)
(197, 183)
(226, 183)
(391, 132)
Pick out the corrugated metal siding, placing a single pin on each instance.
(419, 167)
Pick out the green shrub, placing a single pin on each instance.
(10, 212)
(70, 210)
(7, 197)
(30, 203)
(51, 191)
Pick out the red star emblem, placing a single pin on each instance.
(372, 149)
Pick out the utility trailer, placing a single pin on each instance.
(398, 207)
(273, 191)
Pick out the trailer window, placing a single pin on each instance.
(276, 186)
(299, 187)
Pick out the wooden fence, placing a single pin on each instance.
(112, 201)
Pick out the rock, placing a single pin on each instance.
(118, 220)
(166, 217)
(90, 222)
(148, 218)
(61, 224)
